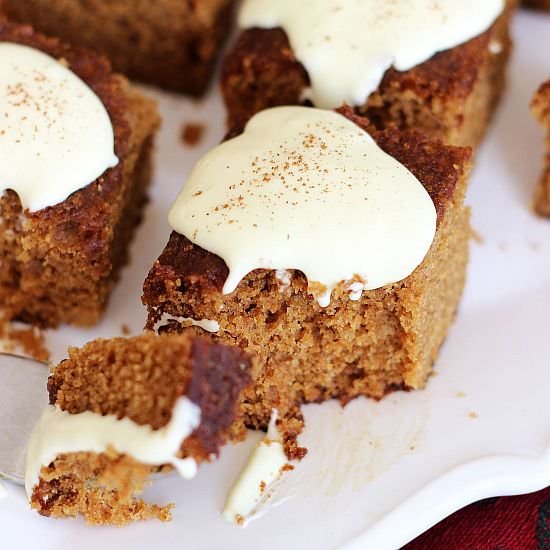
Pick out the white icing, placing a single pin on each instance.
(307, 189)
(264, 469)
(355, 290)
(55, 134)
(3, 491)
(59, 432)
(284, 277)
(209, 325)
(346, 46)
(495, 47)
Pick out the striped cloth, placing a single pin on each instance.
(506, 523)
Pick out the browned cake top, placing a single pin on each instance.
(87, 209)
(438, 167)
(448, 74)
(141, 378)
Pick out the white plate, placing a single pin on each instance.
(377, 474)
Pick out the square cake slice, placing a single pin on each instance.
(367, 342)
(122, 409)
(61, 253)
(450, 96)
(541, 109)
(172, 44)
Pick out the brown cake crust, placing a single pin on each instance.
(541, 109)
(451, 96)
(60, 263)
(538, 4)
(172, 44)
(139, 378)
(304, 353)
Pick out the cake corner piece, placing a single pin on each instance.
(62, 254)
(142, 404)
(450, 96)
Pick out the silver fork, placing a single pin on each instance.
(23, 396)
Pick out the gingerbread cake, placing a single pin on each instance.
(172, 44)
(77, 164)
(541, 109)
(450, 95)
(121, 409)
(314, 339)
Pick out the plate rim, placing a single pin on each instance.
(487, 477)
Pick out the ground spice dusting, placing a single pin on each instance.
(44, 99)
(281, 165)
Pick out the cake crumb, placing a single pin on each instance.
(125, 329)
(473, 415)
(29, 340)
(477, 237)
(192, 133)
(460, 394)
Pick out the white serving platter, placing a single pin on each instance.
(377, 474)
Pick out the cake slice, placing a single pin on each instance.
(541, 109)
(450, 94)
(314, 339)
(76, 167)
(121, 409)
(172, 44)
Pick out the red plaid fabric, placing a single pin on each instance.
(506, 523)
